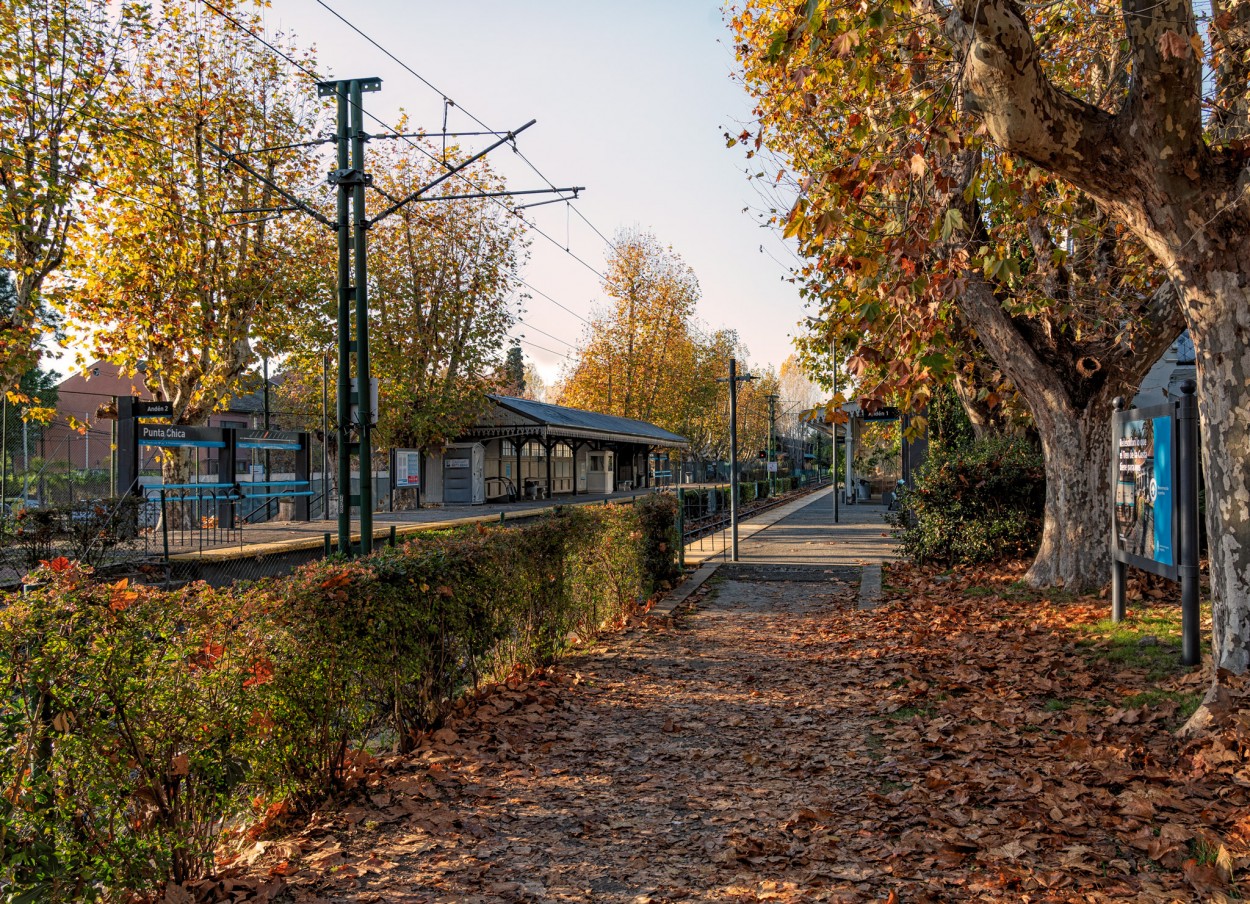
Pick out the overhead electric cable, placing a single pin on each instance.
(318, 79)
(447, 100)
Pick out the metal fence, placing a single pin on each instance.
(705, 509)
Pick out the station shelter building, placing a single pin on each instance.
(523, 449)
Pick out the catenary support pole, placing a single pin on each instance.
(343, 221)
(733, 458)
(325, 436)
(772, 427)
(268, 459)
(364, 385)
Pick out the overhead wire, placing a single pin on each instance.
(530, 326)
(396, 133)
(539, 347)
(207, 225)
(447, 100)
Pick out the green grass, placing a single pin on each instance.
(1056, 705)
(1204, 851)
(978, 590)
(903, 713)
(1061, 595)
(1155, 697)
(1020, 590)
(875, 744)
(1121, 643)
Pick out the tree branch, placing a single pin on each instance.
(1005, 86)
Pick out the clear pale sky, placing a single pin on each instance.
(632, 100)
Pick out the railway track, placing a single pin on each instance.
(704, 526)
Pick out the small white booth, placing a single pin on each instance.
(601, 472)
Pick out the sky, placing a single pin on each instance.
(632, 102)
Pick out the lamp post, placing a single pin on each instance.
(834, 431)
(733, 380)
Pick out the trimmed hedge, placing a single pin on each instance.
(974, 504)
(141, 724)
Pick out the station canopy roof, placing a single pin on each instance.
(524, 417)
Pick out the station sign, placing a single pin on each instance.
(884, 413)
(407, 468)
(153, 409)
(176, 435)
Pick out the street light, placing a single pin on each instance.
(734, 379)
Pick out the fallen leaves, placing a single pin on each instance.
(964, 741)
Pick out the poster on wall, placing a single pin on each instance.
(407, 468)
(1144, 490)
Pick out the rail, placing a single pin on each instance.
(701, 517)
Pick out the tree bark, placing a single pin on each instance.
(179, 510)
(980, 415)
(1075, 551)
(1220, 328)
(1072, 417)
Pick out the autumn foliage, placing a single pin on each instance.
(140, 725)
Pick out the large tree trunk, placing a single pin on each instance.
(1219, 311)
(1075, 552)
(179, 506)
(1072, 417)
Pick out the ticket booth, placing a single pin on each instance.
(601, 471)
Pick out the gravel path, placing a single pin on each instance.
(696, 761)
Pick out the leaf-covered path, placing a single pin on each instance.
(777, 744)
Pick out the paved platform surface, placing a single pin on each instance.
(803, 533)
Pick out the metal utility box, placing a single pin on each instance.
(464, 474)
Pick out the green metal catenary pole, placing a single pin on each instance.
(772, 422)
(344, 328)
(364, 388)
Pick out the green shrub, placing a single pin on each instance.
(140, 722)
(973, 504)
(86, 531)
(126, 735)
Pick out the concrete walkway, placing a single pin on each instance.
(798, 541)
(803, 533)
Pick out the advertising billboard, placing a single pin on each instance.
(1145, 485)
(407, 468)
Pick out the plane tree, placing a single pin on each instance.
(933, 249)
(179, 257)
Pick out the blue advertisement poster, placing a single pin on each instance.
(1161, 489)
(1144, 492)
